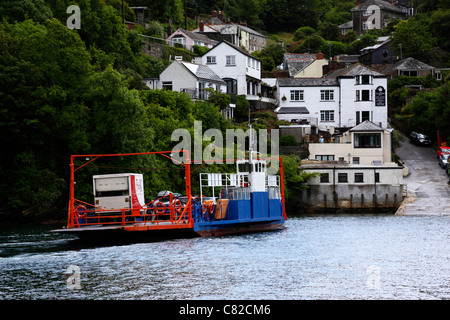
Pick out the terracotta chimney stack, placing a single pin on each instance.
(201, 26)
(214, 14)
(319, 56)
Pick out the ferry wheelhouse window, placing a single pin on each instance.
(342, 177)
(367, 140)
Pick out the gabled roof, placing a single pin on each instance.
(201, 71)
(354, 70)
(196, 36)
(295, 66)
(366, 126)
(408, 64)
(384, 5)
(234, 47)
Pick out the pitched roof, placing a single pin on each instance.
(408, 64)
(197, 36)
(382, 4)
(367, 126)
(307, 82)
(354, 70)
(234, 47)
(295, 66)
(201, 71)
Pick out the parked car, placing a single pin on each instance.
(419, 139)
(443, 150)
(443, 160)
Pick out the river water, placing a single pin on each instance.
(314, 257)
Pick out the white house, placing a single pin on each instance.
(343, 98)
(365, 144)
(356, 172)
(190, 78)
(240, 70)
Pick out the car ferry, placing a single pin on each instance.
(249, 200)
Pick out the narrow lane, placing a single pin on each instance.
(428, 191)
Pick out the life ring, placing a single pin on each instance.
(177, 206)
(160, 208)
(81, 208)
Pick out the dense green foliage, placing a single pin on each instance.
(66, 92)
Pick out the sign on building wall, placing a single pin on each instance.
(380, 97)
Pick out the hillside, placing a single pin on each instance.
(75, 91)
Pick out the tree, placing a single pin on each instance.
(414, 37)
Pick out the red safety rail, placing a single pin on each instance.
(153, 215)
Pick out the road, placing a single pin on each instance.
(427, 190)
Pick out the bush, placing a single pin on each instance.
(288, 140)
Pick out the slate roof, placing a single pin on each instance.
(354, 70)
(307, 82)
(197, 36)
(408, 64)
(202, 72)
(384, 5)
(367, 126)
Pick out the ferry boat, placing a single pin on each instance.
(249, 200)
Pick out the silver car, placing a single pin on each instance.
(443, 160)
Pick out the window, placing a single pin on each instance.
(297, 95)
(179, 42)
(324, 177)
(365, 95)
(231, 60)
(342, 177)
(408, 73)
(321, 157)
(377, 177)
(355, 160)
(326, 115)
(365, 79)
(211, 59)
(326, 95)
(359, 177)
(367, 140)
(167, 85)
(365, 115)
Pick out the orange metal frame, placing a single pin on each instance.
(150, 221)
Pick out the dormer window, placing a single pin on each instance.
(363, 79)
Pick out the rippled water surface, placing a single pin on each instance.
(315, 257)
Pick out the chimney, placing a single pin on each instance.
(214, 14)
(201, 26)
(319, 56)
(244, 24)
(220, 16)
